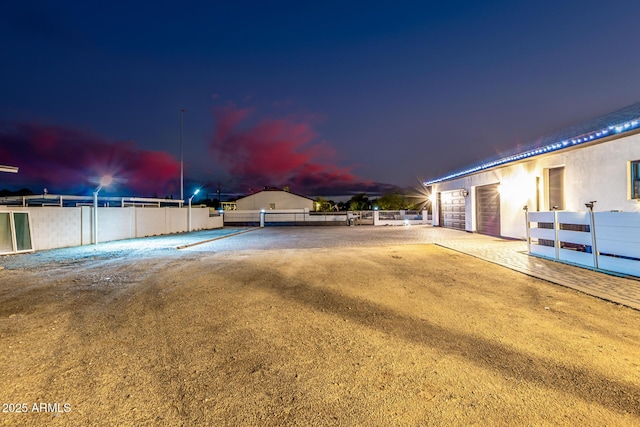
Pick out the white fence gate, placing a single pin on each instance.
(600, 240)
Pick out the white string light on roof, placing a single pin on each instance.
(591, 136)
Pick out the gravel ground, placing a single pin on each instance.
(146, 247)
(305, 326)
(267, 239)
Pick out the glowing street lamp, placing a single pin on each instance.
(105, 181)
(189, 216)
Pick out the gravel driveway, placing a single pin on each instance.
(305, 326)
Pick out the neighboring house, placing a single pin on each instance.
(596, 161)
(228, 206)
(270, 199)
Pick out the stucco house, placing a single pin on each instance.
(595, 161)
(273, 198)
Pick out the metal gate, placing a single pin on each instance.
(488, 209)
(452, 209)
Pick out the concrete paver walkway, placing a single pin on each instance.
(513, 254)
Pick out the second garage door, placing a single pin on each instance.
(452, 209)
(488, 209)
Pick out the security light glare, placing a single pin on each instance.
(106, 180)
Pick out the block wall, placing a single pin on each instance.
(54, 227)
(150, 221)
(57, 227)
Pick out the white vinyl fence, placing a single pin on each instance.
(401, 217)
(283, 217)
(600, 240)
(304, 217)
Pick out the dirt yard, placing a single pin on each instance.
(371, 336)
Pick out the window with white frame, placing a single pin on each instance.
(635, 179)
(15, 233)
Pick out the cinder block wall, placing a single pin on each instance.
(213, 222)
(116, 223)
(200, 219)
(150, 221)
(176, 220)
(56, 227)
(87, 222)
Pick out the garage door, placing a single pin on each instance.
(488, 209)
(452, 209)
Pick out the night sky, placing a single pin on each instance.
(329, 98)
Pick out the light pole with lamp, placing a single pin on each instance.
(189, 216)
(104, 182)
(182, 110)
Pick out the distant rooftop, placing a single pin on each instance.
(619, 122)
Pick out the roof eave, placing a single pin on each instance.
(592, 138)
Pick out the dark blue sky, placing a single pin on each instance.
(357, 95)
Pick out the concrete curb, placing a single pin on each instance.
(216, 238)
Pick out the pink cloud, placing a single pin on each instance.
(276, 152)
(64, 159)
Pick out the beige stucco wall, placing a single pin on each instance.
(281, 199)
(598, 172)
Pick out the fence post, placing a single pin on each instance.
(556, 242)
(526, 226)
(594, 246)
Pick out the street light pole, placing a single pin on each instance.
(181, 161)
(189, 210)
(104, 181)
(95, 214)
